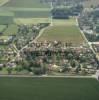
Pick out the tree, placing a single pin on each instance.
(19, 68)
(70, 56)
(97, 29)
(9, 69)
(73, 63)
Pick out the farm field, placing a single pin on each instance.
(4, 37)
(68, 22)
(27, 4)
(2, 28)
(31, 20)
(3, 2)
(32, 14)
(65, 31)
(11, 30)
(48, 89)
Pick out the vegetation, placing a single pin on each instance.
(2, 28)
(6, 17)
(62, 32)
(45, 89)
(27, 4)
(30, 21)
(11, 30)
(32, 14)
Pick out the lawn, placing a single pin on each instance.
(11, 30)
(62, 30)
(48, 89)
(27, 4)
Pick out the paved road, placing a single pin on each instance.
(26, 46)
(46, 76)
(89, 44)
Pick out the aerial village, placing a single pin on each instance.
(23, 53)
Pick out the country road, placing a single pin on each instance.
(26, 46)
(46, 76)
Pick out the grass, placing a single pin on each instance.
(68, 22)
(31, 20)
(48, 89)
(11, 30)
(6, 13)
(2, 28)
(62, 30)
(32, 14)
(4, 37)
(2, 2)
(26, 4)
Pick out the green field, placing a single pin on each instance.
(2, 2)
(62, 30)
(2, 28)
(32, 14)
(48, 89)
(31, 20)
(26, 4)
(11, 30)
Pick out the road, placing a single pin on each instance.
(89, 44)
(46, 76)
(26, 46)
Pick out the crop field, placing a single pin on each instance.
(48, 89)
(2, 2)
(4, 37)
(2, 28)
(11, 30)
(27, 4)
(32, 14)
(31, 20)
(62, 30)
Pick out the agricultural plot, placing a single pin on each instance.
(4, 37)
(2, 2)
(27, 4)
(6, 17)
(11, 30)
(32, 14)
(62, 30)
(31, 20)
(48, 89)
(2, 28)
(68, 22)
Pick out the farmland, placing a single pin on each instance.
(26, 4)
(65, 31)
(45, 89)
(11, 30)
(32, 14)
(2, 2)
(2, 28)
(31, 20)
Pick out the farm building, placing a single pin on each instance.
(6, 17)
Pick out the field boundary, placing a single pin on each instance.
(47, 76)
(6, 1)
